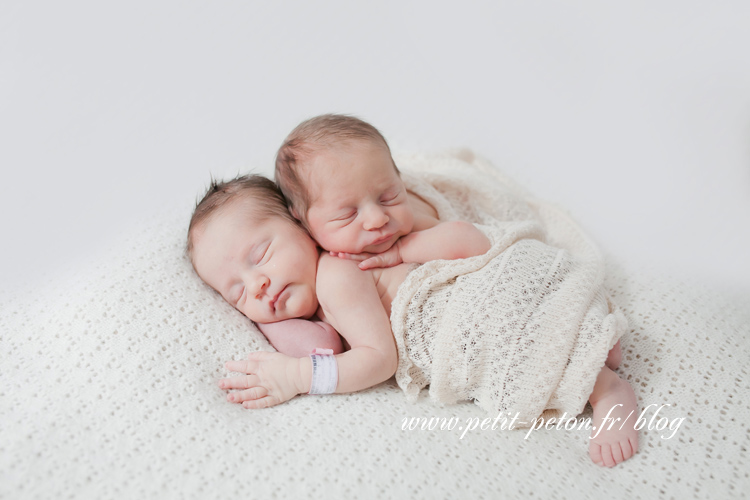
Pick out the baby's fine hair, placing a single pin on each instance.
(308, 138)
(270, 200)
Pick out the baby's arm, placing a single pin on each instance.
(351, 302)
(298, 337)
(445, 241)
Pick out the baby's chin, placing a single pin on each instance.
(381, 247)
(306, 310)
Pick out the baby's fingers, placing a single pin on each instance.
(254, 359)
(247, 395)
(370, 263)
(265, 402)
(382, 260)
(242, 382)
(350, 256)
(244, 366)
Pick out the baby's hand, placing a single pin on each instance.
(272, 378)
(389, 258)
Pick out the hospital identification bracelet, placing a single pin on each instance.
(325, 372)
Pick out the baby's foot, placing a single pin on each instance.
(614, 357)
(613, 438)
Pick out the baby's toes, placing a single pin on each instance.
(607, 458)
(633, 444)
(595, 452)
(627, 449)
(617, 452)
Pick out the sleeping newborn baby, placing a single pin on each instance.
(535, 341)
(244, 244)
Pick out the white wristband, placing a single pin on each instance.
(325, 372)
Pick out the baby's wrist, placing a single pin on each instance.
(402, 249)
(398, 249)
(304, 375)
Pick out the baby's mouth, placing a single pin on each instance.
(382, 239)
(276, 298)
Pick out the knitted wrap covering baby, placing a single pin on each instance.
(524, 328)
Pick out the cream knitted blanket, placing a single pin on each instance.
(525, 327)
(108, 390)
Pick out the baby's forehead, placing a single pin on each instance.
(331, 166)
(246, 212)
(243, 205)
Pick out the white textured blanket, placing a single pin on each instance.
(524, 328)
(108, 390)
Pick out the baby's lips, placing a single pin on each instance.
(382, 239)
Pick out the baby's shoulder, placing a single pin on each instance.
(425, 215)
(335, 271)
(340, 281)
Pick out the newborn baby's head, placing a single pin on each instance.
(244, 244)
(343, 185)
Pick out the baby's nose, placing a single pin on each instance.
(375, 218)
(261, 286)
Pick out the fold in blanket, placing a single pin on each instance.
(524, 328)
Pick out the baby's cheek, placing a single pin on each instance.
(352, 240)
(338, 241)
(408, 220)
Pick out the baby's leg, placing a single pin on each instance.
(613, 438)
(614, 357)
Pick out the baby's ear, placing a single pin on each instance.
(294, 213)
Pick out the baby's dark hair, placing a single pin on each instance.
(271, 202)
(307, 139)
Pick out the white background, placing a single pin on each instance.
(634, 115)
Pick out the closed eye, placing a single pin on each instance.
(347, 217)
(390, 198)
(259, 255)
(264, 255)
(242, 295)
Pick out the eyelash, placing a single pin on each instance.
(351, 215)
(242, 294)
(347, 217)
(262, 255)
(390, 198)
